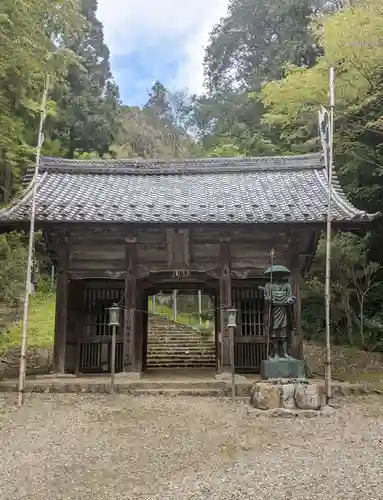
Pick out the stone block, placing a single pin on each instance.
(288, 396)
(282, 368)
(265, 396)
(307, 397)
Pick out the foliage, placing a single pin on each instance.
(87, 99)
(40, 37)
(13, 258)
(41, 321)
(31, 34)
(256, 39)
(159, 129)
(352, 278)
(250, 46)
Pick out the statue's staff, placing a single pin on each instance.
(272, 255)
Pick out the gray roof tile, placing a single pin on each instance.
(214, 190)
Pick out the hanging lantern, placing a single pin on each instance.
(232, 318)
(114, 315)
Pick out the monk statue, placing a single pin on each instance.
(279, 296)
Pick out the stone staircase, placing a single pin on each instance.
(173, 345)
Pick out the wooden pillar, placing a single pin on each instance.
(139, 330)
(130, 293)
(79, 323)
(297, 344)
(217, 333)
(145, 331)
(296, 278)
(225, 303)
(61, 311)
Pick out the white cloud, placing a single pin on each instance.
(131, 25)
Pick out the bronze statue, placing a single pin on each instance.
(278, 293)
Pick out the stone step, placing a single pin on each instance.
(180, 357)
(177, 366)
(179, 326)
(181, 345)
(176, 326)
(179, 392)
(180, 361)
(180, 339)
(175, 351)
(167, 333)
(181, 348)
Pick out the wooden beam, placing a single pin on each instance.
(61, 311)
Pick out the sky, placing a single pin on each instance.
(161, 40)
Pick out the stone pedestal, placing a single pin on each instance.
(291, 395)
(282, 368)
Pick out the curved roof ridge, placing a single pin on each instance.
(340, 196)
(182, 166)
(25, 195)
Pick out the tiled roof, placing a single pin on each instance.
(214, 190)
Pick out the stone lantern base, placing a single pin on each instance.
(291, 394)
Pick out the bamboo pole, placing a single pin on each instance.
(174, 304)
(232, 363)
(23, 347)
(113, 361)
(328, 245)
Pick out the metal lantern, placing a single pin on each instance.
(114, 315)
(232, 318)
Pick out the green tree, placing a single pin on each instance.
(256, 39)
(353, 279)
(31, 46)
(87, 99)
(353, 44)
(13, 258)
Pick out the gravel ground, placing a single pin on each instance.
(159, 448)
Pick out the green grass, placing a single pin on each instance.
(40, 325)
